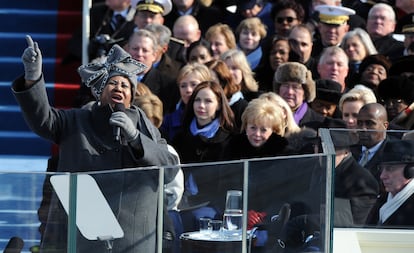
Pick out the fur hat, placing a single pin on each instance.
(375, 59)
(295, 72)
(118, 63)
(398, 87)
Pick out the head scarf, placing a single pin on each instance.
(118, 63)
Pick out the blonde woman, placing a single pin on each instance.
(242, 73)
(250, 33)
(289, 123)
(221, 38)
(300, 139)
(352, 101)
(263, 124)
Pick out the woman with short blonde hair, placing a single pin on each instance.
(352, 101)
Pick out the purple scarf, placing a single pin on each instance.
(300, 112)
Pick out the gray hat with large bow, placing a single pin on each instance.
(118, 63)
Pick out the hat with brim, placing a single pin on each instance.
(398, 151)
(247, 4)
(162, 7)
(334, 15)
(397, 87)
(341, 139)
(405, 25)
(328, 90)
(402, 65)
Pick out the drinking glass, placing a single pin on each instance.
(205, 226)
(233, 214)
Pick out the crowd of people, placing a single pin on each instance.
(229, 80)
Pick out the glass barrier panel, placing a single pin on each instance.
(373, 186)
(284, 208)
(25, 195)
(282, 204)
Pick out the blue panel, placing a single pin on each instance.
(13, 44)
(28, 22)
(30, 4)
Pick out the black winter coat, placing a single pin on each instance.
(401, 218)
(240, 147)
(358, 185)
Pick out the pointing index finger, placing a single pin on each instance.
(29, 41)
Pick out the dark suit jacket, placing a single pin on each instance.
(358, 185)
(206, 16)
(100, 23)
(372, 164)
(163, 86)
(389, 47)
(169, 66)
(311, 119)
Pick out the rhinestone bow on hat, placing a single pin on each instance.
(118, 63)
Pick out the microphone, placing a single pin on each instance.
(15, 245)
(119, 107)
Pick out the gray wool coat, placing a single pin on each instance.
(86, 144)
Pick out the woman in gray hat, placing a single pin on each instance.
(110, 134)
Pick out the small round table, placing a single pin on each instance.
(196, 242)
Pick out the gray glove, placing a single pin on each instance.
(32, 60)
(128, 129)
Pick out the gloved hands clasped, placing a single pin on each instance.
(128, 129)
(254, 218)
(32, 60)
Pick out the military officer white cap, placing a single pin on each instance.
(334, 15)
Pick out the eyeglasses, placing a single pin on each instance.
(280, 20)
(295, 87)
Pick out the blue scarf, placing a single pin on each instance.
(207, 131)
(254, 57)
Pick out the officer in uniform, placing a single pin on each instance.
(332, 27)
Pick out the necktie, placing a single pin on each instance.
(117, 21)
(364, 159)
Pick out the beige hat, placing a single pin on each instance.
(295, 72)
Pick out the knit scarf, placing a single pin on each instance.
(300, 112)
(207, 131)
(393, 203)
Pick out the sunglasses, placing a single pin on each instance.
(282, 19)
